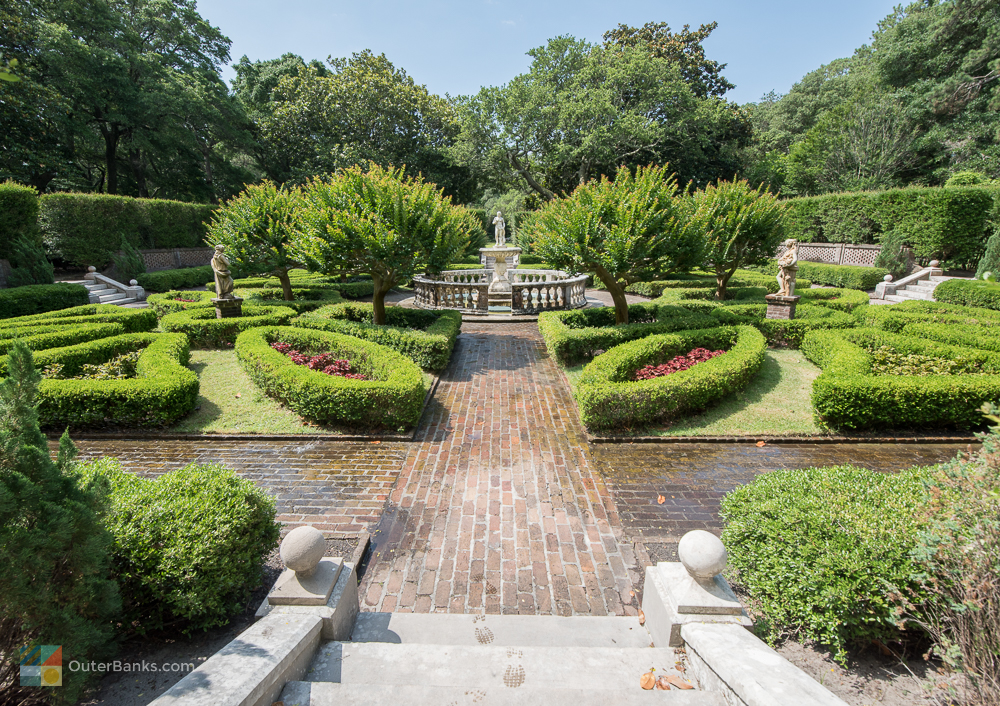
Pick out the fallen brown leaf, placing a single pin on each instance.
(632, 593)
(660, 499)
(662, 684)
(680, 667)
(238, 394)
(761, 443)
(647, 681)
(376, 442)
(642, 617)
(678, 682)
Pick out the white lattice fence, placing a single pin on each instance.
(837, 253)
(175, 258)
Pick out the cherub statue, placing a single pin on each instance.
(223, 277)
(788, 267)
(500, 228)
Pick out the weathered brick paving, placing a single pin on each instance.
(338, 487)
(498, 508)
(693, 478)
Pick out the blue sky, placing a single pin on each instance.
(455, 47)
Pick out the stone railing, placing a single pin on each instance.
(462, 276)
(452, 294)
(547, 290)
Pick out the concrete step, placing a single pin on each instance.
(112, 297)
(500, 630)
(896, 299)
(921, 287)
(909, 294)
(327, 694)
(487, 667)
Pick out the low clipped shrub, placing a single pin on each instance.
(426, 337)
(40, 298)
(168, 280)
(841, 276)
(610, 398)
(162, 392)
(848, 395)
(787, 332)
(206, 331)
(733, 294)
(894, 318)
(18, 216)
(968, 336)
(969, 292)
(740, 280)
(573, 336)
(818, 550)
(832, 298)
(188, 545)
(391, 397)
(355, 288)
(41, 338)
(306, 298)
(177, 300)
(133, 320)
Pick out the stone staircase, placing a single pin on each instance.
(921, 289)
(104, 290)
(438, 659)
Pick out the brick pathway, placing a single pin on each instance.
(338, 487)
(498, 507)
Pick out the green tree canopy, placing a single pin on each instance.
(623, 230)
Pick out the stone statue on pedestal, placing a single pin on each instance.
(500, 229)
(788, 267)
(223, 277)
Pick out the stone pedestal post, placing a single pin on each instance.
(228, 308)
(780, 306)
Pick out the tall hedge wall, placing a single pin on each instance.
(86, 229)
(945, 224)
(18, 215)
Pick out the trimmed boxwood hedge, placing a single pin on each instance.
(573, 336)
(392, 397)
(18, 216)
(749, 279)
(40, 298)
(843, 276)
(162, 392)
(357, 288)
(167, 280)
(426, 337)
(783, 331)
(133, 320)
(41, 338)
(306, 298)
(849, 396)
(168, 302)
(840, 299)
(609, 398)
(969, 292)
(967, 336)
(894, 318)
(206, 331)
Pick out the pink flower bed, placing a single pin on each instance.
(324, 362)
(681, 362)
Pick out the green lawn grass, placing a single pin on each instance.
(775, 403)
(230, 403)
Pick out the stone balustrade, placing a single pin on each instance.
(451, 294)
(547, 291)
(532, 291)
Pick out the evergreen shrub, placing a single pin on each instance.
(170, 302)
(40, 298)
(167, 280)
(18, 217)
(969, 292)
(391, 397)
(206, 331)
(133, 320)
(426, 337)
(30, 266)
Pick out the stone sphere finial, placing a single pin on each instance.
(302, 548)
(888, 278)
(91, 269)
(133, 283)
(702, 554)
(934, 263)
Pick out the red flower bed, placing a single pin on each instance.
(324, 362)
(681, 362)
(178, 299)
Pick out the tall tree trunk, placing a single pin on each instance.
(286, 284)
(206, 153)
(139, 172)
(111, 137)
(382, 287)
(721, 282)
(617, 292)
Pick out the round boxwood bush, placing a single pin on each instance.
(188, 545)
(609, 397)
(204, 330)
(821, 551)
(391, 397)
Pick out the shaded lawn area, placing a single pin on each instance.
(775, 403)
(229, 402)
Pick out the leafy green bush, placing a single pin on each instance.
(676, 295)
(969, 292)
(842, 276)
(173, 301)
(30, 266)
(990, 261)
(894, 318)
(18, 216)
(788, 332)
(892, 257)
(354, 288)
(128, 263)
(167, 280)
(609, 398)
(816, 551)
(426, 337)
(39, 298)
(55, 587)
(848, 395)
(739, 280)
(968, 336)
(133, 320)
(305, 298)
(391, 397)
(40, 338)
(840, 299)
(573, 336)
(206, 331)
(188, 545)
(87, 229)
(162, 392)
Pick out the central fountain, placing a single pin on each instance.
(498, 286)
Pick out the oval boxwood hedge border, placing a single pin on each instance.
(168, 302)
(204, 330)
(392, 397)
(426, 337)
(609, 399)
(162, 392)
(133, 320)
